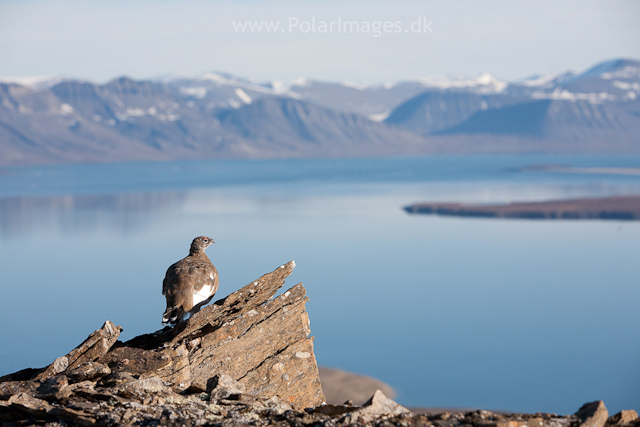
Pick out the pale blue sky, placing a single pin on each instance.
(101, 39)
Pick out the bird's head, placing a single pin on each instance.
(201, 243)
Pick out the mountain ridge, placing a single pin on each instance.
(218, 115)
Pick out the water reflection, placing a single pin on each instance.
(72, 214)
(130, 212)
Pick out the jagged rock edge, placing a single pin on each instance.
(300, 301)
(197, 333)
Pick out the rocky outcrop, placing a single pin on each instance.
(262, 343)
(245, 360)
(247, 344)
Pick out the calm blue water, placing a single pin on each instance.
(499, 314)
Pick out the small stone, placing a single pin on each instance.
(140, 387)
(333, 410)
(225, 387)
(54, 388)
(193, 344)
(379, 405)
(11, 388)
(274, 405)
(116, 379)
(30, 404)
(88, 371)
(60, 365)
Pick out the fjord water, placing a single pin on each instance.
(515, 315)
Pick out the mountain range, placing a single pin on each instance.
(217, 115)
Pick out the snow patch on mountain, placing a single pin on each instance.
(547, 80)
(628, 72)
(381, 117)
(279, 87)
(222, 79)
(233, 103)
(616, 68)
(626, 86)
(136, 112)
(33, 82)
(565, 95)
(356, 86)
(301, 82)
(243, 96)
(66, 109)
(197, 91)
(485, 83)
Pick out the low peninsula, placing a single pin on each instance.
(611, 208)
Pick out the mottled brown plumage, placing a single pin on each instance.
(189, 283)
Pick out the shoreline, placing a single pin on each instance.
(581, 170)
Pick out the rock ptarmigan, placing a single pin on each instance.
(189, 283)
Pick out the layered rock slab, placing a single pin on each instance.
(261, 342)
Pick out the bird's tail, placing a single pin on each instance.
(172, 315)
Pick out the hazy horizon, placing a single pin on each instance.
(252, 79)
(143, 39)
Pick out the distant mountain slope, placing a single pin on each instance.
(435, 110)
(372, 101)
(301, 128)
(526, 119)
(35, 127)
(556, 120)
(600, 107)
(132, 120)
(52, 120)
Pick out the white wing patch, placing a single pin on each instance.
(202, 294)
(213, 276)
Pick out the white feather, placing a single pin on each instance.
(202, 294)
